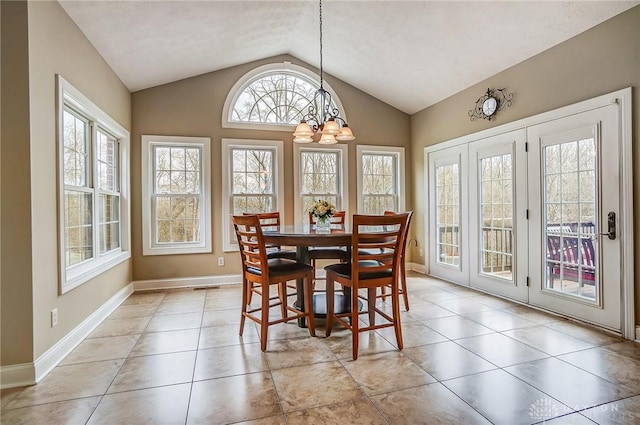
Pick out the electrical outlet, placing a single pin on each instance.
(420, 251)
(221, 261)
(54, 317)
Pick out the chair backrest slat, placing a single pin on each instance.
(251, 243)
(379, 238)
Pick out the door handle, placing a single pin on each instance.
(611, 226)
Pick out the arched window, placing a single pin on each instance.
(272, 97)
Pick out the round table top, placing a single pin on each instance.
(306, 235)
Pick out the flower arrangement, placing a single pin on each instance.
(322, 210)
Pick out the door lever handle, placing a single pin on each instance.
(611, 225)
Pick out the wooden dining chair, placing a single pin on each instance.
(377, 242)
(329, 252)
(270, 221)
(261, 273)
(402, 284)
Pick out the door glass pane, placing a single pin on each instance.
(570, 206)
(496, 220)
(447, 215)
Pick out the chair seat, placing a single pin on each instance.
(344, 270)
(282, 266)
(281, 253)
(328, 253)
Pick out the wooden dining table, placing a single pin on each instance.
(303, 236)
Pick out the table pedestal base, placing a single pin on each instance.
(341, 304)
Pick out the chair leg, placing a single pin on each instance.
(354, 323)
(264, 318)
(371, 302)
(330, 307)
(383, 293)
(308, 305)
(249, 285)
(403, 286)
(282, 295)
(243, 311)
(395, 304)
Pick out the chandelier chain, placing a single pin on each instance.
(321, 67)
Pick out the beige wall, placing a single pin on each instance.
(598, 61)
(57, 46)
(30, 264)
(193, 107)
(15, 227)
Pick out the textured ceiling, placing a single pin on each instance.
(409, 54)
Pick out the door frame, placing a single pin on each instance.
(624, 100)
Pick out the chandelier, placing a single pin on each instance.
(321, 117)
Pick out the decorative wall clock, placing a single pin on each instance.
(490, 103)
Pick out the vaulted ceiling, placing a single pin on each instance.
(409, 54)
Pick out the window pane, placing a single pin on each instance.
(571, 198)
(496, 223)
(252, 184)
(252, 171)
(447, 213)
(106, 162)
(178, 194)
(379, 175)
(109, 222)
(75, 139)
(78, 219)
(276, 98)
(177, 219)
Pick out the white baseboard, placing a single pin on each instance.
(17, 375)
(637, 338)
(31, 373)
(54, 355)
(186, 282)
(420, 268)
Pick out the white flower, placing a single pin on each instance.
(322, 209)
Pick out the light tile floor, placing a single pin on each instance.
(175, 357)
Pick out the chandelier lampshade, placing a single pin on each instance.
(327, 139)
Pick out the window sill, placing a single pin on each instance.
(82, 275)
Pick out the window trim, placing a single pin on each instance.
(228, 242)
(343, 185)
(284, 68)
(362, 150)
(148, 247)
(73, 276)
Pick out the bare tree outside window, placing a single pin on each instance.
(277, 98)
(379, 183)
(496, 225)
(177, 193)
(252, 180)
(447, 214)
(78, 195)
(320, 178)
(108, 192)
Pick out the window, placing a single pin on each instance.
(447, 214)
(380, 179)
(496, 216)
(176, 190)
(272, 96)
(252, 181)
(321, 174)
(94, 209)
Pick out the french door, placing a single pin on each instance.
(574, 208)
(535, 213)
(497, 218)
